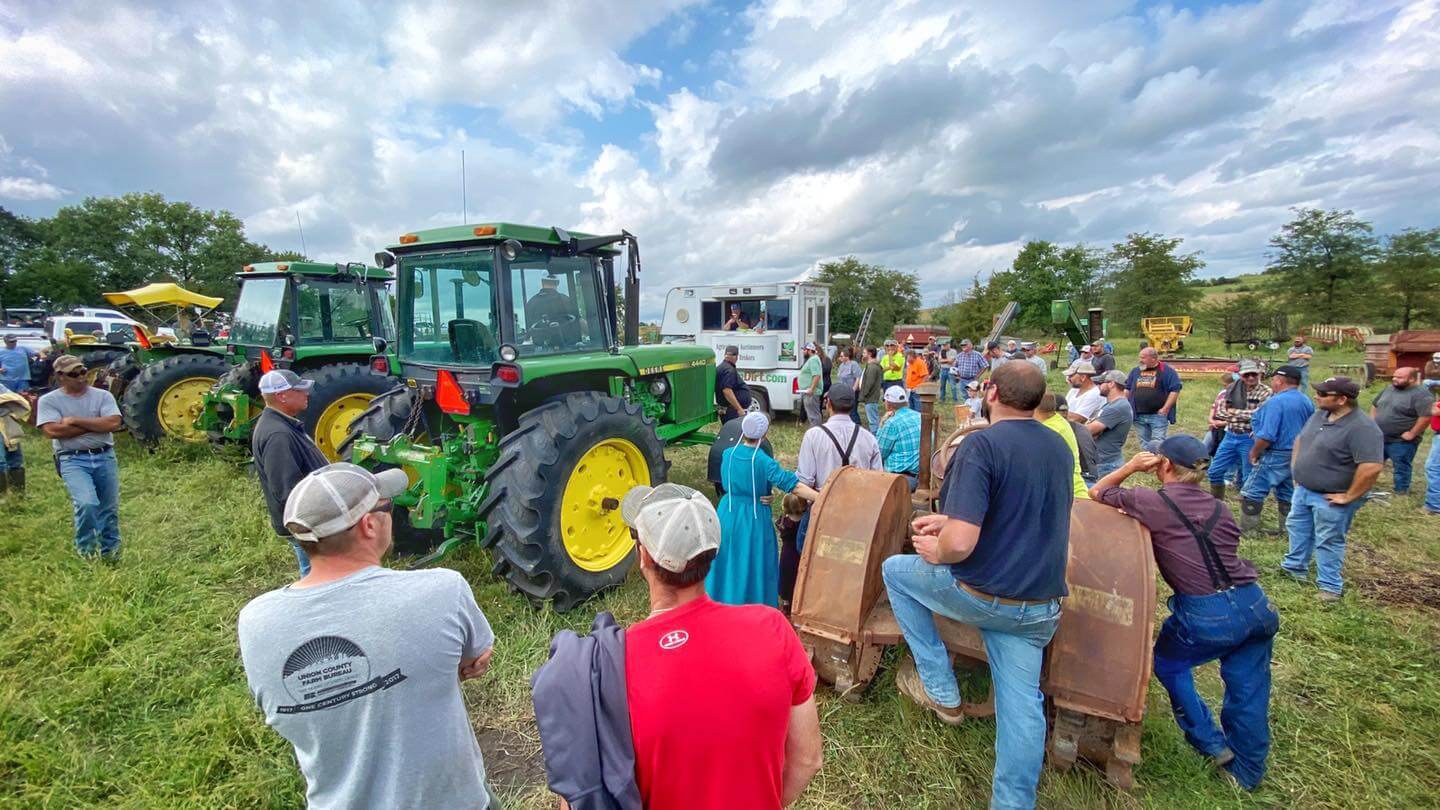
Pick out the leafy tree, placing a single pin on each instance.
(1409, 271)
(1323, 260)
(855, 285)
(18, 242)
(974, 313)
(1149, 278)
(1043, 272)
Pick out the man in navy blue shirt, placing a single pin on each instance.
(1154, 390)
(994, 557)
(1273, 429)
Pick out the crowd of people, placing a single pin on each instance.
(357, 663)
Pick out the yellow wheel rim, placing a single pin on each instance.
(181, 404)
(590, 525)
(334, 423)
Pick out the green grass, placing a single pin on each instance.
(122, 686)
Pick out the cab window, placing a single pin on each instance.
(333, 312)
(556, 305)
(450, 309)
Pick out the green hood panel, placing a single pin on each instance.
(631, 361)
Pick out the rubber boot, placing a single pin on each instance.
(1250, 516)
(17, 481)
(1282, 507)
(1218, 490)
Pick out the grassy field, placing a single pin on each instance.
(122, 686)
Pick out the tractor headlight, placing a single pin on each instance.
(508, 353)
(659, 387)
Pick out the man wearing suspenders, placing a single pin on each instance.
(836, 443)
(1218, 610)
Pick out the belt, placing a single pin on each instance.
(92, 451)
(1004, 600)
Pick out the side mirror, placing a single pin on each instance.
(385, 259)
(418, 289)
(380, 344)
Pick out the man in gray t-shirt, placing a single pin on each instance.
(1111, 424)
(1299, 356)
(1402, 411)
(79, 420)
(359, 666)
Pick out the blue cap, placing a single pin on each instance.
(1187, 451)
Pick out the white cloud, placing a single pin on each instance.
(27, 188)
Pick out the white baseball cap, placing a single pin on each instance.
(283, 379)
(675, 523)
(896, 394)
(333, 498)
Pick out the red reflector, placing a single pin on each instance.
(448, 394)
(508, 374)
(266, 364)
(380, 364)
(142, 338)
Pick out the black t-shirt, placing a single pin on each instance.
(727, 377)
(1014, 480)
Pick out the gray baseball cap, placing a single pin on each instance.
(283, 379)
(333, 498)
(1114, 377)
(675, 523)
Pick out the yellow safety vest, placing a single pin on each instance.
(893, 365)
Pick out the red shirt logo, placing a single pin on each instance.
(673, 639)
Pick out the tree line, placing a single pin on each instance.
(108, 244)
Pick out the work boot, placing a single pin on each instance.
(1283, 508)
(1250, 516)
(907, 680)
(16, 480)
(1218, 490)
(4, 483)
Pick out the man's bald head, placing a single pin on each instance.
(1018, 385)
(1149, 358)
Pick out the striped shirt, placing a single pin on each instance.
(968, 365)
(900, 441)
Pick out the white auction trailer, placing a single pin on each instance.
(776, 321)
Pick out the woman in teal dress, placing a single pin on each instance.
(747, 567)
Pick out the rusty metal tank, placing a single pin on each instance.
(1097, 668)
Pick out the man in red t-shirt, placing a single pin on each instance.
(722, 703)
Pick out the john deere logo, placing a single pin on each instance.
(673, 639)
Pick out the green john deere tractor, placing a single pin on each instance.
(522, 415)
(318, 319)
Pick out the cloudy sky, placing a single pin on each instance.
(739, 141)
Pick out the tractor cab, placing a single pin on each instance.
(523, 413)
(291, 310)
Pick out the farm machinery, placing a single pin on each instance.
(163, 327)
(520, 410)
(1097, 667)
(1167, 334)
(319, 320)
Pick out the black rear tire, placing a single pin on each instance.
(140, 406)
(384, 420)
(527, 484)
(120, 373)
(333, 383)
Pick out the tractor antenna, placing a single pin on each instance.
(464, 201)
(301, 228)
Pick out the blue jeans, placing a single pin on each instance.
(872, 415)
(1234, 450)
(300, 556)
(945, 385)
(801, 529)
(1151, 429)
(1401, 455)
(1305, 380)
(1015, 637)
(94, 484)
(1432, 475)
(1105, 466)
(12, 459)
(1318, 527)
(1238, 627)
(17, 386)
(1272, 473)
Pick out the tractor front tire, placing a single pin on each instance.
(166, 397)
(342, 391)
(383, 420)
(552, 515)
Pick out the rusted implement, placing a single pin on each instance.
(1097, 668)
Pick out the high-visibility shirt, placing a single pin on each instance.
(893, 365)
(917, 374)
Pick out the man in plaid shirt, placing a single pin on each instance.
(899, 438)
(1242, 399)
(968, 365)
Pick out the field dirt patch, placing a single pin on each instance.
(1378, 577)
(511, 759)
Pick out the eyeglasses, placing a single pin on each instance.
(383, 506)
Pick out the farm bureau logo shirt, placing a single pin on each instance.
(362, 676)
(710, 688)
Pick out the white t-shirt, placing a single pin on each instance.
(1085, 404)
(362, 676)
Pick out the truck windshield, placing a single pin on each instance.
(447, 308)
(556, 302)
(257, 315)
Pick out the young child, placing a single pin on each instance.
(786, 526)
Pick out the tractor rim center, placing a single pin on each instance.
(590, 526)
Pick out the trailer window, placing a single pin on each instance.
(449, 309)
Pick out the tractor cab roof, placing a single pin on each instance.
(489, 233)
(313, 269)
